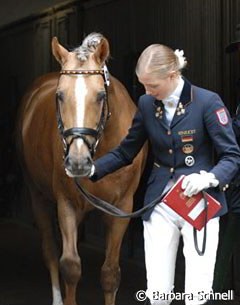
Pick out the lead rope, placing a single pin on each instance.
(113, 210)
(202, 251)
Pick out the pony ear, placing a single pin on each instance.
(58, 51)
(102, 51)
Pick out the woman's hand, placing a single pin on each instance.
(195, 183)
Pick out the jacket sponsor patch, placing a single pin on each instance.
(222, 116)
(187, 148)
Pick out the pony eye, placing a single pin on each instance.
(101, 96)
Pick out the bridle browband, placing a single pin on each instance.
(83, 132)
(82, 72)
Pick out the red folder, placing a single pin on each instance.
(192, 209)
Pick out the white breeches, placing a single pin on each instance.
(161, 238)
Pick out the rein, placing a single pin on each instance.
(111, 209)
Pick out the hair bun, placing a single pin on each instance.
(181, 59)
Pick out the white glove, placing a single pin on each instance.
(92, 171)
(195, 183)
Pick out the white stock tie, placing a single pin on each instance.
(170, 106)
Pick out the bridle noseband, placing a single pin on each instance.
(83, 132)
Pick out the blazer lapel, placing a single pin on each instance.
(160, 113)
(185, 99)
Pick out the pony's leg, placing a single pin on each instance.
(110, 273)
(43, 214)
(70, 264)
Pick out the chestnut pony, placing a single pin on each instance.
(65, 122)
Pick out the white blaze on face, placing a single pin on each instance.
(80, 95)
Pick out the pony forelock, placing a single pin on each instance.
(88, 45)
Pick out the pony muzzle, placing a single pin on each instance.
(78, 167)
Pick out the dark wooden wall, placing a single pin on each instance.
(202, 28)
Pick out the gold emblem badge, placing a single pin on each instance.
(188, 148)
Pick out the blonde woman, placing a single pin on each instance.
(184, 124)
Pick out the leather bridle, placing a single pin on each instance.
(83, 132)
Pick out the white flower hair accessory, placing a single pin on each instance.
(181, 59)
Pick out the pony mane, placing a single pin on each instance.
(88, 45)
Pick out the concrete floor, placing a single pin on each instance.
(24, 279)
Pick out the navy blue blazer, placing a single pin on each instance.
(233, 194)
(200, 126)
(236, 127)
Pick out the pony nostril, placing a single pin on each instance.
(67, 162)
(71, 165)
(89, 161)
(85, 164)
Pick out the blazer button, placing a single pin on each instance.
(170, 151)
(169, 132)
(171, 170)
(224, 189)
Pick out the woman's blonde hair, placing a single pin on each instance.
(160, 60)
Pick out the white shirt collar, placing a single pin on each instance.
(175, 95)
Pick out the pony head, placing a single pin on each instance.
(81, 98)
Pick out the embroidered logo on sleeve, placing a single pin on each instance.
(222, 116)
